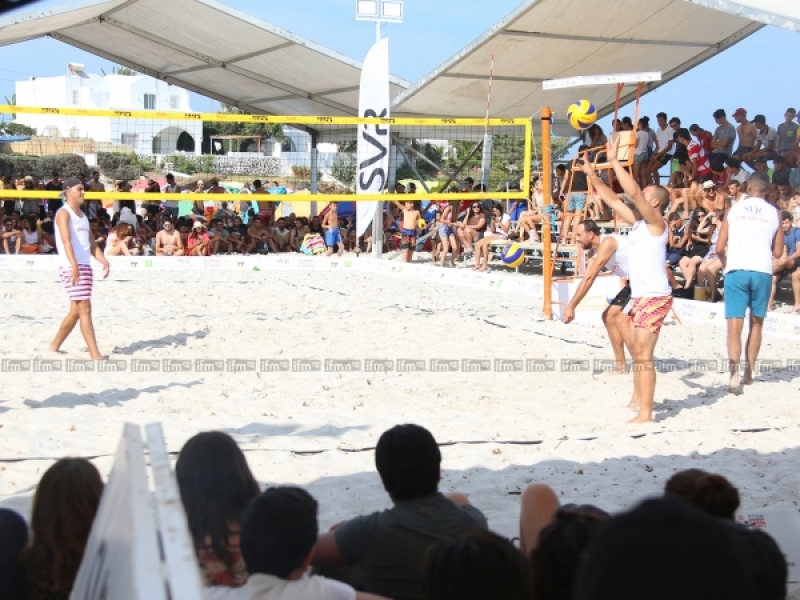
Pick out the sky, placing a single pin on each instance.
(755, 74)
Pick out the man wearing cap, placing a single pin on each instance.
(787, 134)
(30, 206)
(747, 133)
(76, 246)
(713, 198)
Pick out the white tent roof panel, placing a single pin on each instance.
(550, 39)
(223, 54)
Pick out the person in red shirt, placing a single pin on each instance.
(697, 170)
(198, 243)
(703, 137)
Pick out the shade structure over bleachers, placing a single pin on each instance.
(230, 56)
(206, 47)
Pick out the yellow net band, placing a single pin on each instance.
(293, 198)
(241, 118)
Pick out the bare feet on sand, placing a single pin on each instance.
(641, 419)
(735, 385)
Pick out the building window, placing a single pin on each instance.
(129, 139)
(75, 97)
(149, 101)
(174, 102)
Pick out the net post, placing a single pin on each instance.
(486, 159)
(314, 163)
(547, 186)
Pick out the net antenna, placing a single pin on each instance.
(565, 250)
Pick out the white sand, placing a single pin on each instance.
(316, 429)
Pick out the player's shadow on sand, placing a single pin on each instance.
(708, 395)
(110, 397)
(255, 432)
(167, 341)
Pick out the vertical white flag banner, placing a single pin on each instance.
(373, 140)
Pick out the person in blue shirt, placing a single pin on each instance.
(789, 263)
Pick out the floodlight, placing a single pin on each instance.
(367, 9)
(392, 10)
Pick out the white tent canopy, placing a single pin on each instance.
(223, 53)
(551, 39)
(232, 57)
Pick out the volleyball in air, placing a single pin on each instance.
(512, 256)
(581, 114)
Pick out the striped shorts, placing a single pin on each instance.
(81, 291)
(649, 313)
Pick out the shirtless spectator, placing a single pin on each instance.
(713, 197)
(765, 142)
(259, 237)
(238, 236)
(198, 242)
(389, 546)
(787, 135)
(218, 236)
(215, 187)
(266, 208)
(168, 240)
(784, 195)
(723, 140)
(789, 263)
(747, 133)
(333, 236)
(283, 237)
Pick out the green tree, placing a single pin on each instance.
(17, 129)
(120, 70)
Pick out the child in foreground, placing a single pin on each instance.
(278, 538)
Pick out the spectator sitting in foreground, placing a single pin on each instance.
(389, 546)
(64, 508)
(215, 485)
(665, 550)
(477, 566)
(13, 539)
(279, 531)
(716, 496)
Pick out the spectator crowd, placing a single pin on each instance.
(266, 545)
(709, 173)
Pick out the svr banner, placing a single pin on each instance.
(373, 140)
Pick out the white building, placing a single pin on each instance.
(112, 92)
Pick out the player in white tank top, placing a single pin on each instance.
(611, 252)
(76, 247)
(650, 289)
(750, 237)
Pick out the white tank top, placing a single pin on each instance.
(79, 236)
(618, 263)
(30, 237)
(647, 261)
(752, 225)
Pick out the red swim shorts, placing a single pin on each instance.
(649, 313)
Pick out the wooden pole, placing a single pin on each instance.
(547, 186)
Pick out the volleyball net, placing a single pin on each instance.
(311, 158)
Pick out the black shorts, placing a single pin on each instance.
(153, 209)
(623, 297)
(788, 272)
(698, 251)
(703, 178)
(665, 159)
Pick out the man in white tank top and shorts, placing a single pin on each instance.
(76, 246)
(611, 252)
(651, 293)
(753, 236)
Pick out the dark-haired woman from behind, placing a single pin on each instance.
(215, 485)
(477, 566)
(64, 508)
